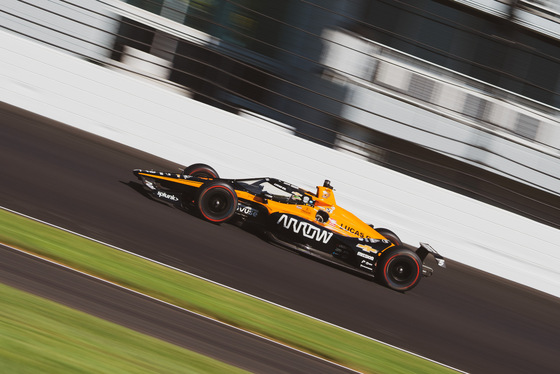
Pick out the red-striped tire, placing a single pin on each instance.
(399, 268)
(216, 201)
(200, 171)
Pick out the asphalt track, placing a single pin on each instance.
(460, 316)
(158, 319)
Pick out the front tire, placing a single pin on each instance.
(399, 269)
(216, 201)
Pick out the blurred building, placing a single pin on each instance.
(464, 94)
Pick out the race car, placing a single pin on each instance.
(305, 221)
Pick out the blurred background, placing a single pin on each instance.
(463, 94)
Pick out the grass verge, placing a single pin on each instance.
(41, 336)
(237, 309)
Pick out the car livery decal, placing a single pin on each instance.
(366, 256)
(353, 231)
(247, 210)
(167, 196)
(367, 248)
(305, 228)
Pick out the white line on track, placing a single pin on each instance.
(213, 282)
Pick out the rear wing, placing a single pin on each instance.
(426, 249)
(423, 252)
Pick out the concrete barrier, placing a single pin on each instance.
(160, 121)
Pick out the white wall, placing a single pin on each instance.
(148, 117)
(83, 26)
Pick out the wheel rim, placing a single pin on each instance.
(402, 270)
(217, 203)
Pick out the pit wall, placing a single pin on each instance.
(166, 123)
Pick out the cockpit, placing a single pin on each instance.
(277, 190)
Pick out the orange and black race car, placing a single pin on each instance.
(305, 221)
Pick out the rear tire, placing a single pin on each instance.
(200, 171)
(216, 201)
(391, 236)
(399, 269)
